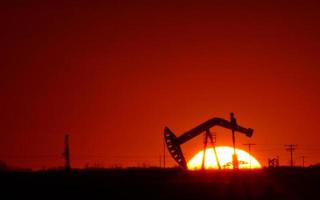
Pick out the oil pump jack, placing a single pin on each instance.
(173, 142)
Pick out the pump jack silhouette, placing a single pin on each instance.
(173, 142)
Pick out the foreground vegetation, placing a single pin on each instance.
(155, 183)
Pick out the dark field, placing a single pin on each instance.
(281, 183)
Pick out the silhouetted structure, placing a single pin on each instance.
(233, 121)
(173, 142)
(66, 153)
(212, 138)
(249, 148)
(291, 148)
(273, 162)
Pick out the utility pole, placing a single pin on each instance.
(66, 153)
(291, 148)
(249, 147)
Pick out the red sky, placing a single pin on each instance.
(113, 74)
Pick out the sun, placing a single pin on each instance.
(224, 154)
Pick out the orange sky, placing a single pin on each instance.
(112, 75)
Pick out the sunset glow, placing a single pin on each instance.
(224, 154)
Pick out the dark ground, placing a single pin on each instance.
(281, 183)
